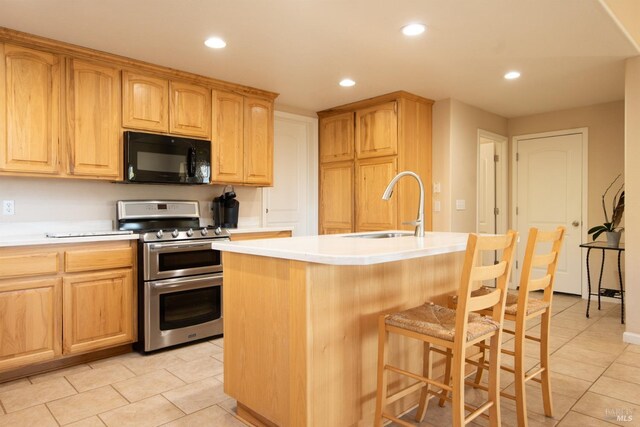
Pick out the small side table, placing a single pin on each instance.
(607, 292)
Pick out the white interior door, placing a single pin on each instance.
(293, 199)
(549, 194)
(487, 194)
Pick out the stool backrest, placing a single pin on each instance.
(472, 272)
(548, 261)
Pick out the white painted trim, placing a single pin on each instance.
(631, 338)
(585, 184)
(620, 25)
(312, 169)
(502, 143)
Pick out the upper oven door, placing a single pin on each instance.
(166, 159)
(165, 260)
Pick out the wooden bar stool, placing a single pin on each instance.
(455, 331)
(534, 307)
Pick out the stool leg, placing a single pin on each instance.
(481, 362)
(457, 384)
(426, 372)
(545, 328)
(447, 378)
(381, 397)
(494, 381)
(518, 359)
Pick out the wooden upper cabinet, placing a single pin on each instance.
(336, 138)
(30, 322)
(190, 110)
(372, 178)
(377, 131)
(30, 87)
(336, 199)
(227, 145)
(258, 141)
(93, 110)
(98, 310)
(145, 104)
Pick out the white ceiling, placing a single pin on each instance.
(570, 52)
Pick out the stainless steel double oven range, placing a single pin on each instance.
(179, 275)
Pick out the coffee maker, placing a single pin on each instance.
(226, 209)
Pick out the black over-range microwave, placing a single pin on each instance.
(165, 159)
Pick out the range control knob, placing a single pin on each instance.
(190, 232)
(218, 231)
(159, 234)
(175, 233)
(204, 231)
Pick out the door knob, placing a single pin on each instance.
(575, 223)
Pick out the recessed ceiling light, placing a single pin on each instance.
(413, 29)
(347, 83)
(215, 43)
(512, 75)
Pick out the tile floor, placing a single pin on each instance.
(594, 375)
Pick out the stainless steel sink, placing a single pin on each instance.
(380, 235)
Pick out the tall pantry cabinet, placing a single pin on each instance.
(363, 145)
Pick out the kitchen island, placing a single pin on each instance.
(300, 321)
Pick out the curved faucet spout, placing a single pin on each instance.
(419, 222)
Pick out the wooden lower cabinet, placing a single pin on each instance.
(98, 310)
(30, 321)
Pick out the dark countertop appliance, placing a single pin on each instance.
(226, 209)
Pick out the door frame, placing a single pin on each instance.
(585, 186)
(502, 145)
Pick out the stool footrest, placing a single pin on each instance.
(477, 411)
(396, 420)
(404, 392)
(418, 377)
(532, 338)
(528, 376)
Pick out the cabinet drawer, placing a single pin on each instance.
(97, 259)
(35, 264)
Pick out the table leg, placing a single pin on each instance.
(621, 290)
(600, 279)
(588, 283)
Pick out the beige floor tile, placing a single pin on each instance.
(629, 358)
(211, 416)
(99, 377)
(572, 368)
(87, 404)
(618, 389)
(197, 369)
(219, 357)
(229, 405)
(153, 411)
(576, 419)
(147, 385)
(605, 408)
(12, 385)
(59, 373)
(561, 403)
(151, 362)
(197, 351)
(579, 353)
(88, 422)
(633, 348)
(570, 320)
(196, 396)
(218, 341)
(119, 359)
(30, 417)
(624, 373)
(568, 386)
(35, 394)
(597, 342)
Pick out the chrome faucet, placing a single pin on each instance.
(419, 222)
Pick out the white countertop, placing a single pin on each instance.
(42, 239)
(257, 229)
(339, 249)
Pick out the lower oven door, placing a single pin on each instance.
(181, 310)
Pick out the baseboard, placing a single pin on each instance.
(631, 338)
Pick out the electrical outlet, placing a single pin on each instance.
(460, 205)
(436, 205)
(436, 187)
(8, 207)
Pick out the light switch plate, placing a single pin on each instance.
(436, 187)
(8, 207)
(460, 205)
(436, 205)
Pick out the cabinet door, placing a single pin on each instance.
(94, 120)
(377, 131)
(98, 310)
(190, 110)
(372, 177)
(145, 104)
(30, 84)
(336, 198)
(258, 142)
(228, 138)
(336, 138)
(30, 322)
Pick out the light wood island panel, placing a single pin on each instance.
(301, 337)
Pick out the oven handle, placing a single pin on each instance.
(189, 245)
(187, 283)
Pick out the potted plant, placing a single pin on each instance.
(611, 227)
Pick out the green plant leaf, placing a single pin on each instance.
(599, 228)
(598, 233)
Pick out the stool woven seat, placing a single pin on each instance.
(534, 305)
(438, 321)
